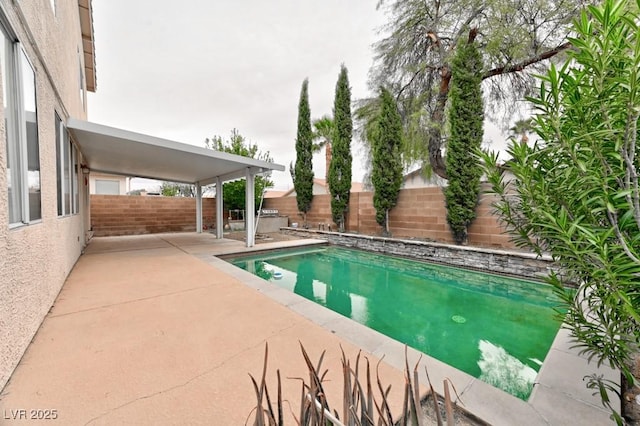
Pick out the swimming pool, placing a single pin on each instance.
(496, 328)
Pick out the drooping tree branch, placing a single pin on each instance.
(415, 75)
(506, 69)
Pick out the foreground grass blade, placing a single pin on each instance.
(435, 398)
(416, 393)
(369, 394)
(280, 413)
(259, 421)
(386, 411)
(447, 404)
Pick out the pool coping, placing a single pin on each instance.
(559, 395)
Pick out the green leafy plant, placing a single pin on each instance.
(302, 174)
(322, 133)
(386, 175)
(339, 175)
(234, 192)
(172, 189)
(466, 115)
(521, 129)
(575, 193)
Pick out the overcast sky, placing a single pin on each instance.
(191, 70)
(202, 68)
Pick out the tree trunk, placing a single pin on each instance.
(437, 121)
(437, 116)
(386, 232)
(327, 162)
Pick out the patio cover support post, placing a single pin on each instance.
(198, 208)
(250, 211)
(219, 202)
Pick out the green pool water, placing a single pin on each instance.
(496, 328)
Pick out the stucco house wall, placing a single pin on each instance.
(122, 182)
(416, 179)
(320, 187)
(36, 258)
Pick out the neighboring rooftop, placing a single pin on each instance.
(320, 187)
(273, 193)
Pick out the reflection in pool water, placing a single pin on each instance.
(505, 371)
(492, 327)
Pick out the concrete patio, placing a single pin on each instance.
(156, 330)
(144, 332)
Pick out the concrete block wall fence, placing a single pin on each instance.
(113, 215)
(420, 213)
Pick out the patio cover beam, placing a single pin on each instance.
(250, 203)
(198, 208)
(219, 213)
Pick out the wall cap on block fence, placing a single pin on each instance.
(521, 264)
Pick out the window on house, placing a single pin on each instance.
(30, 120)
(74, 179)
(81, 78)
(107, 187)
(59, 177)
(21, 132)
(66, 171)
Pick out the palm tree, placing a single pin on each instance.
(522, 128)
(323, 132)
(322, 135)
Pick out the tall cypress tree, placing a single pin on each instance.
(466, 115)
(303, 173)
(340, 167)
(386, 174)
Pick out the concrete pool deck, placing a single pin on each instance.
(156, 330)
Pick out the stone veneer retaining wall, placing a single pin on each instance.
(490, 260)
